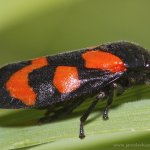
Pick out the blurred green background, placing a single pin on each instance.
(34, 28)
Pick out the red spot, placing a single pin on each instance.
(18, 84)
(66, 79)
(103, 60)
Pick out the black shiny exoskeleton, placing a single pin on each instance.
(93, 81)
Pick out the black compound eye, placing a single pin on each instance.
(147, 65)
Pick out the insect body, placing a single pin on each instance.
(62, 82)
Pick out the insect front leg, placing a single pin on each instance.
(109, 102)
(87, 113)
(119, 90)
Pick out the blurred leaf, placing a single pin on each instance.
(32, 28)
(18, 128)
(25, 9)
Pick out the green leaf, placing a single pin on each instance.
(31, 28)
(19, 128)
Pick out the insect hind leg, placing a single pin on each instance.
(60, 112)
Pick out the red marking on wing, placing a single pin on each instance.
(103, 60)
(18, 84)
(66, 79)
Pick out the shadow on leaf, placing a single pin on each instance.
(29, 117)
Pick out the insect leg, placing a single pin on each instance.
(74, 105)
(119, 90)
(109, 102)
(67, 109)
(87, 113)
(62, 111)
(49, 111)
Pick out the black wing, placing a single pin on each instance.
(91, 82)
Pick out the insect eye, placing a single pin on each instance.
(147, 66)
(147, 63)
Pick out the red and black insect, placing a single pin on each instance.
(62, 82)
